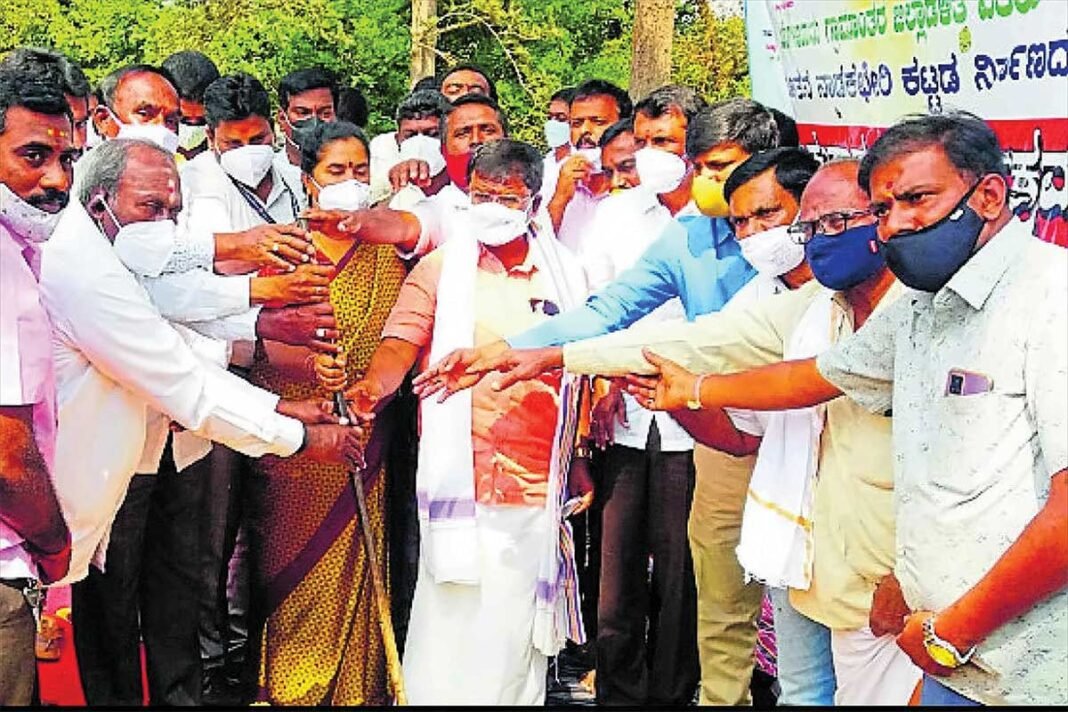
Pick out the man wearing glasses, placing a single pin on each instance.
(827, 618)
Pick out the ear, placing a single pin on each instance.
(210, 133)
(95, 205)
(283, 124)
(105, 124)
(990, 197)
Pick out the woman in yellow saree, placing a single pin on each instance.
(321, 644)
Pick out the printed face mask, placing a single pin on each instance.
(24, 219)
(772, 252)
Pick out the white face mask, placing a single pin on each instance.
(191, 137)
(144, 247)
(27, 221)
(347, 195)
(494, 225)
(153, 133)
(593, 155)
(659, 171)
(247, 164)
(557, 133)
(773, 252)
(424, 148)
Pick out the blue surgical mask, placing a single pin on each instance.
(927, 259)
(845, 260)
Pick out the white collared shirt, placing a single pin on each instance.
(972, 470)
(623, 226)
(385, 153)
(437, 216)
(118, 363)
(581, 211)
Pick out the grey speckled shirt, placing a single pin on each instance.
(971, 471)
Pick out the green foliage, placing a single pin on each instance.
(532, 47)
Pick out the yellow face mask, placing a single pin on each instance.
(708, 195)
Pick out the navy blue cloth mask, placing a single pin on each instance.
(845, 260)
(927, 259)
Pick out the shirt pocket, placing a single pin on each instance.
(976, 437)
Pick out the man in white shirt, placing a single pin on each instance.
(119, 364)
(421, 113)
(574, 185)
(36, 154)
(305, 98)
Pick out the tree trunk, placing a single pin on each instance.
(654, 27)
(424, 39)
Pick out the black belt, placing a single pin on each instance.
(17, 583)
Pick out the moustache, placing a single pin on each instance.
(50, 200)
(586, 141)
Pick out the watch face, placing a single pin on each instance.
(940, 655)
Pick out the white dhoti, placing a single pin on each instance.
(472, 644)
(870, 670)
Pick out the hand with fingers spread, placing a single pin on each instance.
(306, 284)
(670, 389)
(609, 410)
(411, 171)
(278, 246)
(364, 398)
(453, 373)
(310, 325)
(330, 371)
(333, 444)
(313, 411)
(518, 365)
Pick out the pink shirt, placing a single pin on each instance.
(512, 431)
(26, 376)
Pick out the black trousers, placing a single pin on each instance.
(150, 591)
(646, 497)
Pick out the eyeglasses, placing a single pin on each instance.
(515, 202)
(829, 224)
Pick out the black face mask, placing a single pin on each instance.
(303, 129)
(927, 259)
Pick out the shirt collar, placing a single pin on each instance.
(489, 262)
(975, 281)
(705, 233)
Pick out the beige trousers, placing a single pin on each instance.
(727, 607)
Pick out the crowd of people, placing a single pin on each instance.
(666, 395)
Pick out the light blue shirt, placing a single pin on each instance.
(696, 259)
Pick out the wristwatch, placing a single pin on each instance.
(695, 400)
(941, 650)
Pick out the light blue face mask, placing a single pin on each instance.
(557, 133)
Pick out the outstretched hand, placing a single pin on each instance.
(670, 389)
(459, 370)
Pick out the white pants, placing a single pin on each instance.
(473, 645)
(871, 670)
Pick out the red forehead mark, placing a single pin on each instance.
(58, 133)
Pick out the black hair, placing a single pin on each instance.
(303, 80)
(599, 87)
(565, 95)
(740, 121)
(316, 139)
(468, 67)
(352, 106)
(234, 97)
(32, 94)
(788, 135)
(500, 159)
(673, 96)
(612, 132)
(481, 101)
(968, 142)
(794, 168)
(50, 67)
(423, 104)
(110, 83)
(427, 83)
(192, 72)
